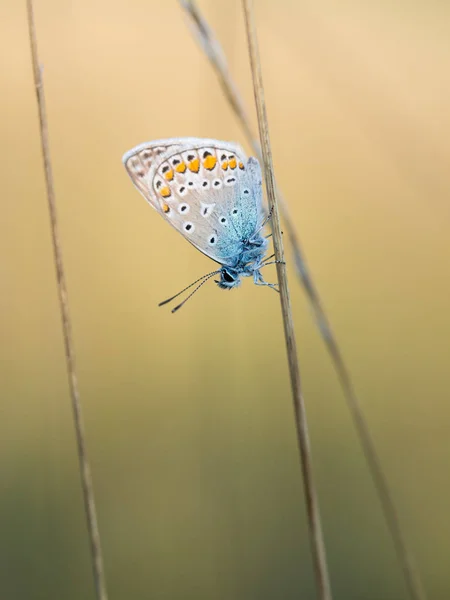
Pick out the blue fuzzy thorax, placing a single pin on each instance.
(245, 264)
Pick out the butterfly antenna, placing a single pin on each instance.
(208, 277)
(186, 288)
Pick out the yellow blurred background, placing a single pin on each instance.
(189, 416)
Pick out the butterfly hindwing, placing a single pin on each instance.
(204, 188)
(248, 201)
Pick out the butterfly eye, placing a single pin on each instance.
(188, 227)
(212, 240)
(183, 209)
(229, 278)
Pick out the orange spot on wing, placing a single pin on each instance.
(169, 175)
(194, 165)
(181, 168)
(210, 162)
(165, 192)
(166, 208)
(241, 166)
(225, 165)
(232, 163)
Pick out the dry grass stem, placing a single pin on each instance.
(312, 505)
(212, 48)
(85, 471)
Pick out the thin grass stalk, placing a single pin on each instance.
(213, 50)
(312, 504)
(85, 470)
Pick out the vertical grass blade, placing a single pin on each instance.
(85, 471)
(312, 504)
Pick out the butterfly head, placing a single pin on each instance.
(229, 278)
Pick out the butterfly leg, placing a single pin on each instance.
(266, 220)
(264, 262)
(269, 215)
(259, 280)
(273, 262)
(274, 286)
(271, 234)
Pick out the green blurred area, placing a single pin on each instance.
(188, 416)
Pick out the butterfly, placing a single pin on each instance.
(212, 194)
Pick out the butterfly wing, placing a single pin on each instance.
(204, 188)
(248, 208)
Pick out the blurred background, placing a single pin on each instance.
(189, 416)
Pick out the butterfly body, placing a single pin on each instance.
(246, 264)
(212, 194)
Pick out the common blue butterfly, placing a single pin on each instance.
(212, 194)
